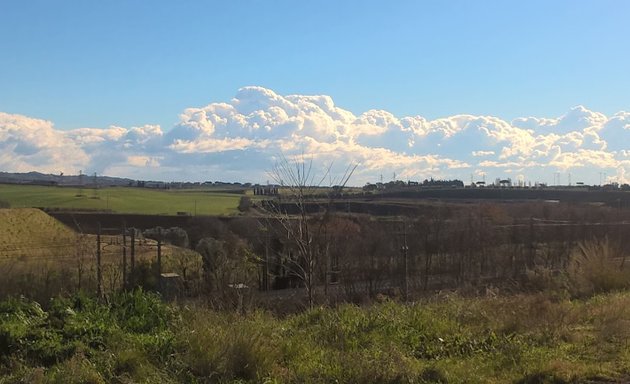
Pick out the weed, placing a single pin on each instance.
(77, 370)
(541, 378)
(433, 375)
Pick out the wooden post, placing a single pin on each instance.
(405, 250)
(99, 274)
(159, 255)
(124, 257)
(266, 265)
(132, 277)
(532, 245)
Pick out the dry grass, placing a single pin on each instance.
(595, 267)
(40, 257)
(28, 231)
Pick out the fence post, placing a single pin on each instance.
(99, 273)
(132, 277)
(124, 257)
(159, 256)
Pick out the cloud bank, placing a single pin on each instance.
(241, 139)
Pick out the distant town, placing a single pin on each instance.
(95, 180)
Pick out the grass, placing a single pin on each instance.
(40, 257)
(32, 230)
(122, 199)
(134, 337)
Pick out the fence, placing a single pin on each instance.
(110, 260)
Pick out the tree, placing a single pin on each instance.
(300, 186)
(229, 269)
(175, 235)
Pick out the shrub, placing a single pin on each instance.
(77, 370)
(433, 375)
(244, 204)
(541, 378)
(611, 318)
(228, 349)
(537, 315)
(594, 268)
(174, 235)
(547, 280)
(140, 312)
(132, 362)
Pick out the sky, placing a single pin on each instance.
(219, 90)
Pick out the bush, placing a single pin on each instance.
(595, 267)
(541, 378)
(25, 333)
(433, 375)
(244, 204)
(140, 312)
(77, 370)
(174, 235)
(215, 347)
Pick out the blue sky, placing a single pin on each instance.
(80, 64)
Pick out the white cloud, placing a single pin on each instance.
(211, 145)
(242, 136)
(143, 161)
(482, 153)
(28, 144)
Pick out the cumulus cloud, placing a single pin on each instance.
(240, 139)
(27, 144)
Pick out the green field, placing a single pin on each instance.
(122, 199)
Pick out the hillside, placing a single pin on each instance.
(40, 257)
(50, 179)
(24, 230)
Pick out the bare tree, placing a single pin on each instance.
(300, 187)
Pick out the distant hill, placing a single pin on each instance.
(38, 178)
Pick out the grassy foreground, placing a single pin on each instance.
(122, 199)
(449, 339)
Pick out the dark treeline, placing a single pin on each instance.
(246, 261)
(449, 247)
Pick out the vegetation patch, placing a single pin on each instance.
(23, 228)
(135, 337)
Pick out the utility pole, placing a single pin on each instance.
(99, 274)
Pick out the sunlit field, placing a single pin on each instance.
(122, 199)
